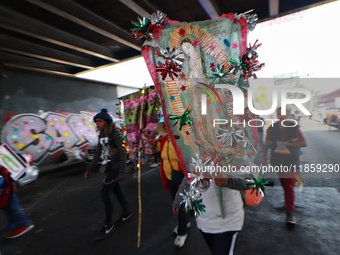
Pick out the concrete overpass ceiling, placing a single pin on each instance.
(67, 37)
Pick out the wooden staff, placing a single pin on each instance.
(140, 147)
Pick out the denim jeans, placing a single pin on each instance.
(14, 213)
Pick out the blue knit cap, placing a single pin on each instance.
(104, 115)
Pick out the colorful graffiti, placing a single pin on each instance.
(48, 135)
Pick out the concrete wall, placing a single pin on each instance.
(47, 115)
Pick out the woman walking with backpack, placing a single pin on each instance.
(113, 155)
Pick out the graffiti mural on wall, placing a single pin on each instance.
(48, 135)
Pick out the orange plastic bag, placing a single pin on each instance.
(252, 197)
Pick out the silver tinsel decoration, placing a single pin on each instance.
(173, 55)
(158, 18)
(251, 19)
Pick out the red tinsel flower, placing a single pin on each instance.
(155, 30)
(137, 34)
(168, 69)
(162, 69)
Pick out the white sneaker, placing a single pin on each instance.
(180, 240)
(154, 165)
(175, 231)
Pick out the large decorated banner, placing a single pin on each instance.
(198, 69)
(141, 117)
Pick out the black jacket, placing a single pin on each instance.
(110, 152)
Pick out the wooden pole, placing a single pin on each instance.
(140, 147)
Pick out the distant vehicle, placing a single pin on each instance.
(89, 153)
(32, 171)
(335, 121)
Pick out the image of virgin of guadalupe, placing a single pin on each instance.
(194, 58)
(204, 134)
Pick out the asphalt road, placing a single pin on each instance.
(67, 212)
(323, 149)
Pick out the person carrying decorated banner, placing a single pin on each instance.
(172, 176)
(113, 155)
(198, 68)
(221, 217)
(10, 205)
